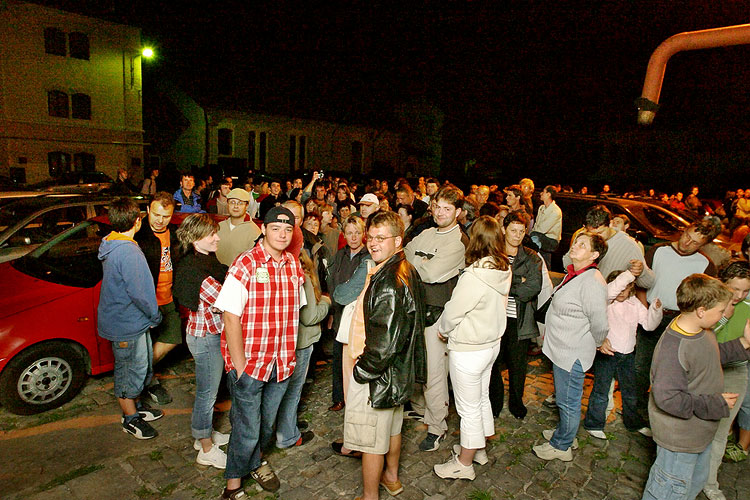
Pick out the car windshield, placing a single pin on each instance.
(664, 222)
(14, 212)
(70, 258)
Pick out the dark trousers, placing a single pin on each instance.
(644, 351)
(606, 367)
(337, 395)
(513, 354)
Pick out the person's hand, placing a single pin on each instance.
(442, 337)
(730, 398)
(729, 311)
(636, 267)
(657, 304)
(606, 348)
(325, 298)
(746, 334)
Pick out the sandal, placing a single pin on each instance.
(336, 447)
(393, 488)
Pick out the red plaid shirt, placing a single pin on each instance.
(271, 314)
(204, 320)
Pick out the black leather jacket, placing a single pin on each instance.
(525, 287)
(394, 356)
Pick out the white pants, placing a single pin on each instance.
(470, 374)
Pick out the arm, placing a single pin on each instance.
(379, 338)
(209, 292)
(651, 317)
(313, 312)
(618, 285)
(235, 342)
(140, 285)
(527, 286)
(734, 350)
(464, 299)
(349, 291)
(594, 304)
(441, 266)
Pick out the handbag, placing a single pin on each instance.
(346, 323)
(540, 315)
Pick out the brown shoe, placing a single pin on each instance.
(336, 406)
(266, 477)
(393, 488)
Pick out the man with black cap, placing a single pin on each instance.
(238, 233)
(261, 302)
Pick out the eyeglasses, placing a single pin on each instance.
(236, 203)
(380, 239)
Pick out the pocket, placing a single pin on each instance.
(360, 429)
(665, 486)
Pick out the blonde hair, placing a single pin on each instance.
(309, 268)
(195, 227)
(701, 290)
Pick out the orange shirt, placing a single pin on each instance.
(164, 284)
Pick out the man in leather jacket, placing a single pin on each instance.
(392, 360)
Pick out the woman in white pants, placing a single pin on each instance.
(472, 323)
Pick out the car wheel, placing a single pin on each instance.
(42, 377)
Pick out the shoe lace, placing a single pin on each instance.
(264, 472)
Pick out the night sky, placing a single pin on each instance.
(511, 77)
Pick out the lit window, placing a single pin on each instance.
(54, 41)
(79, 45)
(57, 103)
(81, 106)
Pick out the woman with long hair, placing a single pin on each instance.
(473, 323)
(197, 283)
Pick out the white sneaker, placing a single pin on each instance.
(215, 457)
(546, 451)
(453, 469)
(646, 431)
(480, 457)
(547, 434)
(713, 494)
(218, 438)
(597, 434)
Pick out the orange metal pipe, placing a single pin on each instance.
(689, 40)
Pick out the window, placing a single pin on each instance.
(225, 141)
(58, 163)
(49, 224)
(357, 150)
(262, 151)
(79, 45)
(81, 106)
(297, 152)
(84, 162)
(302, 152)
(57, 103)
(251, 149)
(54, 41)
(292, 152)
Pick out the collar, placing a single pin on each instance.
(572, 273)
(438, 231)
(114, 235)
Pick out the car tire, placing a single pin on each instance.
(42, 377)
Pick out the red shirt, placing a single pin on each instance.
(270, 315)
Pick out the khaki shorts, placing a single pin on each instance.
(367, 429)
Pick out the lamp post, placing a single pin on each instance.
(148, 53)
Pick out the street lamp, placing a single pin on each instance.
(146, 52)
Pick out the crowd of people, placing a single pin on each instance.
(418, 286)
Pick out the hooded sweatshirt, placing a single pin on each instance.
(127, 302)
(474, 317)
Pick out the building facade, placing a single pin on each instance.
(70, 94)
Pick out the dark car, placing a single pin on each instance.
(77, 182)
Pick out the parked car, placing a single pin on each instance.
(650, 221)
(76, 182)
(27, 223)
(48, 316)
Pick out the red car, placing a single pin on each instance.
(48, 303)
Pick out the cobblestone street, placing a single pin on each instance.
(79, 452)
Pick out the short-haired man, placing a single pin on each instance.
(514, 197)
(405, 196)
(238, 233)
(671, 262)
(391, 359)
(218, 204)
(547, 230)
(261, 301)
(438, 256)
(159, 243)
(432, 185)
(127, 311)
(186, 199)
(275, 197)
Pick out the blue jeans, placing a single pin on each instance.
(568, 392)
(677, 476)
(606, 367)
(287, 432)
(133, 365)
(209, 365)
(254, 407)
(743, 416)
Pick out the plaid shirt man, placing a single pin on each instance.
(205, 320)
(268, 292)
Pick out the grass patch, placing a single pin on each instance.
(627, 457)
(540, 466)
(167, 490)
(156, 455)
(502, 437)
(143, 492)
(64, 478)
(479, 495)
(600, 455)
(614, 470)
(611, 436)
(524, 435)
(546, 485)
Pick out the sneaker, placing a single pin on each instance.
(266, 477)
(147, 413)
(480, 456)
(646, 431)
(305, 438)
(546, 451)
(597, 434)
(714, 494)
(550, 402)
(431, 442)
(237, 494)
(138, 428)
(218, 438)
(735, 453)
(413, 415)
(547, 434)
(159, 394)
(453, 469)
(215, 457)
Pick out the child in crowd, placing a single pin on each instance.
(686, 400)
(616, 357)
(127, 312)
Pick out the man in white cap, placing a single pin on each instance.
(238, 233)
(368, 205)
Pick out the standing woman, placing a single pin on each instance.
(576, 325)
(472, 323)
(198, 280)
(521, 325)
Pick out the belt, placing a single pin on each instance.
(670, 313)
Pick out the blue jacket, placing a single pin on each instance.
(127, 302)
(181, 206)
